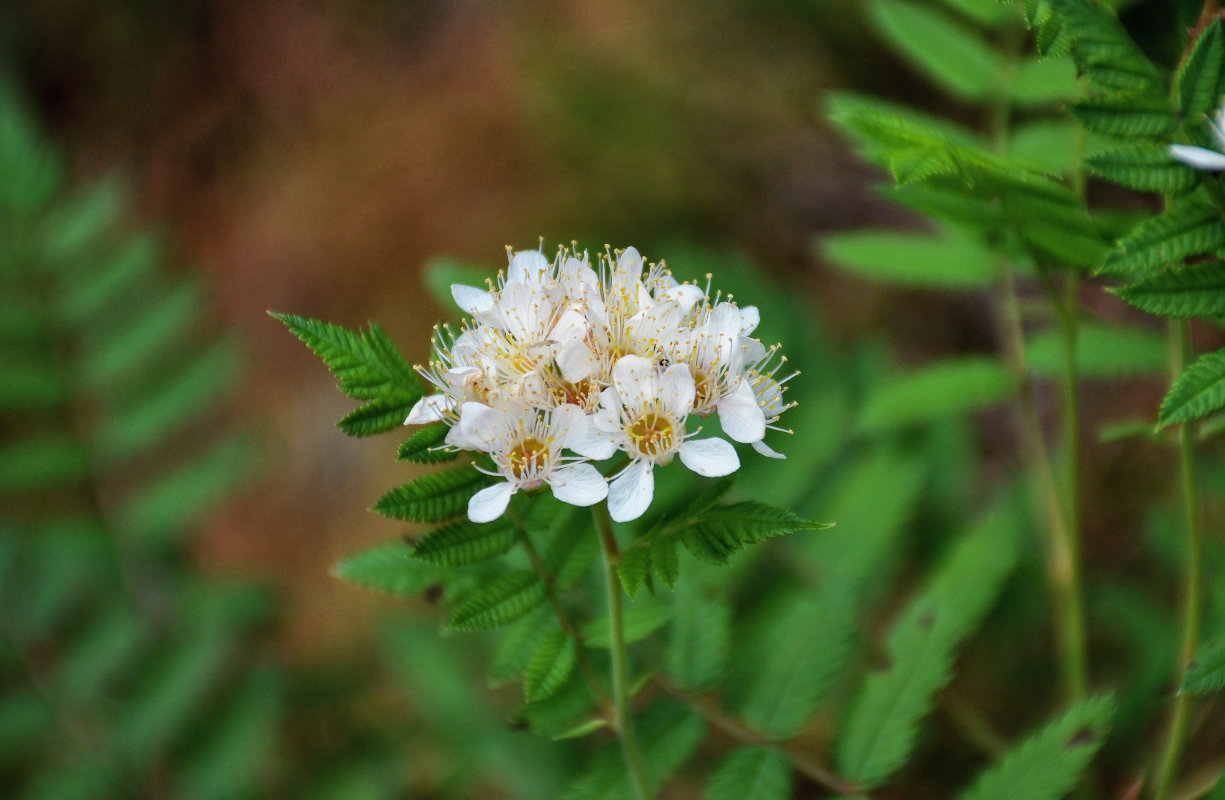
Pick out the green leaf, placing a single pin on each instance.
(640, 621)
(699, 638)
(499, 602)
(951, 54)
(464, 542)
(562, 714)
(550, 666)
(1054, 143)
(1198, 391)
(29, 385)
(99, 656)
(633, 568)
(1199, 81)
(669, 735)
(720, 531)
(1206, 673)
(368, 366)
(41, 462)
(1044, 81)
(941, 390)
(751, 773)
(121, 348)
(1048, 764)
(946, 260)
(664, 563)
(989, 13)
(1196, 290)
(123, 273)
(433, 498)
(879, 732)
(77, 223)
(1145, 168)
(1126, 115)
(419, 447)
(25, 718)
(30, 171)
(388, 568)
(518, 643)
(1190, 229)
(1101, 352)
(1103, 49)
(1052, 218)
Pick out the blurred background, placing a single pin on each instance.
(313, 156)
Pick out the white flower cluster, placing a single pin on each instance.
(563, 356)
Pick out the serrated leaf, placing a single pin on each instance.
(879, 732)
(954, 56)
(990, 13)
(551, 665)
(1190, 229)
(1199, 81)
(720, 531)
(1126, 115)
(1052, 218)
(1195, 290)
(464, 542)
(751, 773)
(388, 568)
(950, 199)
(499, 602)
(561, 713)
(1198, 391)
(1103, 49)
(664, 563)
(419, 447)
(368, 366)
(433, 498)
(1144, 167)
(377, 416)
(946, 260)
(1044, 81)
(944, 389)
(575, 546)
(640, 621)
(1206, 673)
(633, 568)
(1101, 352)
(1048, 764)
(518, 643)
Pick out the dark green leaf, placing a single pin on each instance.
(633, 568)
(1144, 167)
(751, 773)
(1126, 116)
(499, 602)
(641, 619)
(29, 385)
(1207, 672)
(1048, 764)
(1190, 229)
(420, 447)
(464, 542)
(1200, 79)
(937, 391)
(719, 531)
(1196, 290)
(518, 643)
(952, 55)
(1104, 51)
(549, 668)
(433, 498)
(699, 637)
(1198, 391)
(41, 462)
(664, 563)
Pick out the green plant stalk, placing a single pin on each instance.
(623, 719)
(1180, 337)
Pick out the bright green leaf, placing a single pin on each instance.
(941, 390)
(1101, 352)
(1160, 241)
(946, 260)
(1198, 391)
(499, 602)
(1044, 81)
(1196, 290)
(463, 542)
(954, 56)
(434, 497)
(1145, 168)
(751, 773)
(423, 446)
(388, 568)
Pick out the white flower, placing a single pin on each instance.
(525, 444)
(1202, 157)
(644, 416)
(768, 392)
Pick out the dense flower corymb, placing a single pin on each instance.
(606, 361)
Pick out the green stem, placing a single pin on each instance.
(1180, 714)
(623, 719)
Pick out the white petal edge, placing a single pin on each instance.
(528, 266)
(490, 503)
(750, 318)
(430, 408)
(742, 419)
(575, 362)
(677, 390)
(471, 299)
(634, 380)
(630, 493)
(765, 449)
(477, 429)
(1198, 157)
(578, 484)
(711, 458)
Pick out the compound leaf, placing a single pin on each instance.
(946, 260)
(432, 498)
(1196, 290)
(421, 447)
(1198, 391)
(954, 56)
(1190, 229)
(550, 667)
(1145, 168)
(751, 773)
(499, 602)
(463, 542)
(1199, 82)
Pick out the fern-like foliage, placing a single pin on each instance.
(1198, 391)
(124, 675)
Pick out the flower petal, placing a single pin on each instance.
(570, 327)
(576, 362)
(677, 390)
(742, 419)
(528, 266)
(634, 380)
(490, 503)
(630, 493)
(750, 318)
(765, 449)
(1198, 157)
(685, 295)
(430, 408)
(471, 299)
(709, 457)
(578, 484)
(479, 428)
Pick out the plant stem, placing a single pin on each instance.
(1177, 734)
(1063, 557)
(623, 719)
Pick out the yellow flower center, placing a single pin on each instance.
(652, 433)
(529, 457)
(703, 388)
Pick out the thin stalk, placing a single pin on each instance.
(623, 719)
(1180, 714)
(584, 664)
